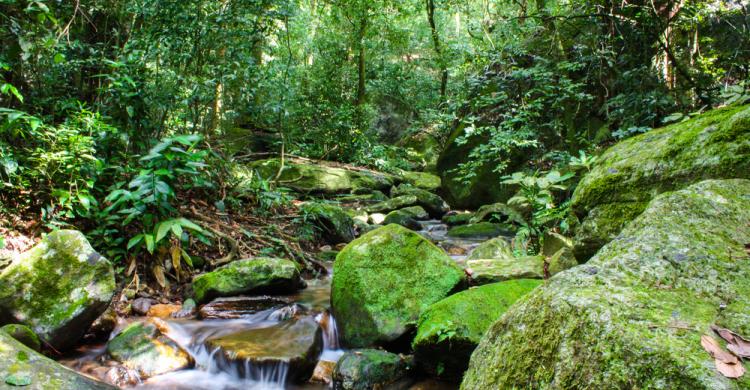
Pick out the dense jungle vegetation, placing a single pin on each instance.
(183, 136)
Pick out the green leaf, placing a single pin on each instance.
(150, 244)
(18, 379)
(177, 230)
(163, 228)
(2, 242)
(135, 241)
(59, 58)
(187, 258)
(188, 224)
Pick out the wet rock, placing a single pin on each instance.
(450, 330)
(559, 252)
(633, 316)
(422, 180)
(496, 248)
(238, 307)
(457, 219)
(433, 204)
(335, 224)
(143, 348)
(187, 310)
(627, 176)
(296, 344)
(384, 280)
(23, 334)
(163, 311)
(403, 218)
(499, 213)
(480, 230)
(377, 218)
(393, 204)
(121, 376)
(141, 306)
(58, 288)
(258, 276)
(21, 367)
(453, 249)
(320, 177)
(485, 271)
(105, 324)
(323, 372)
(365, 369)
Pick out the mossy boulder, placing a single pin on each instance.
(403, 218)
(261, 275)
(336, 225)
(558, 250)
(715, 145)
(316, 177)
(498, 212)
(457, 219)
(22, 367)
(296, 344)
(396, 203)
(496, 248)
(58, 288)
(424, 180)
(434, 204)
(480, 230)
(384, 280)
(633, 316)
(143, 348)
(449, 331)
(485, 271)
(423, 148)
(365, 369)
(24, 334)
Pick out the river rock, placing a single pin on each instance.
(295, 343)
(163, 311)
(260, 275)
(480, 230)
(24, 334)
(485, 271)
(384, 280)
(105, 324)
(396, 203)
(633, 316)
(498, 212)
(424, 180)
(141, 306)
(58, 288)
(365, 369)
(450, 330)
(317, 177)
(715, 145)
(22, 367)
(422, 147)
(558, 250)
(403, 218)
(496, 248)
(238, 307)
(457, 219)
(433, 204)
(335, 224)
(143, 348)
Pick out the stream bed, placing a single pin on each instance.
(216, 370)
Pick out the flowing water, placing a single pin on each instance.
(213, 370)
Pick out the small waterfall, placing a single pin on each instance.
(331, 348)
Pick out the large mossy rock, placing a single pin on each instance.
(23, 368)
(24, 334)
(434, 204)
(261, 275)
(633, 316)
(481, 230)
(365, 369)
(485, 271)
(384, 280)
(317, 177)
(404, 218)
(423, 148)
(143, 348)
(58, 288)
(715, 145)
(336, 224)
(396, 203)
(496, 248)
(296, 345)
(424, 180)
(450, 330)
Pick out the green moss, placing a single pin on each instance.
(498, 212)
(335, 223)
(496, 248)
(23, 334)
(715, 145)
(480, 230)
(632, 317)
(365, 369)
(396, 203)
(423, 180)
(141, 347)
(433, 204)
(485, 271)
(404, 218)
(259, 275)
(457, 219)
(58, 288)
(384, 280)
(450, 330)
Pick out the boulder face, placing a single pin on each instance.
(450, 330)
(633, 316)
(142, 347)
(260, 275)
(481, 230)
(485, 271)
(336, 225)
(384, 280)
(58, 288)
(23, 368)
(366, 369)
(715, 145)
(296, 344)
(496, 248)
(434, 204)
(317, 177)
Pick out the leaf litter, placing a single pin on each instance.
(728, 363)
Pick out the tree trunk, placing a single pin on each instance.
(430, 5)
(361, 68)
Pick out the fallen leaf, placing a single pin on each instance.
(158, 271)
(735, 343)
(733, 371)
(714, 349)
